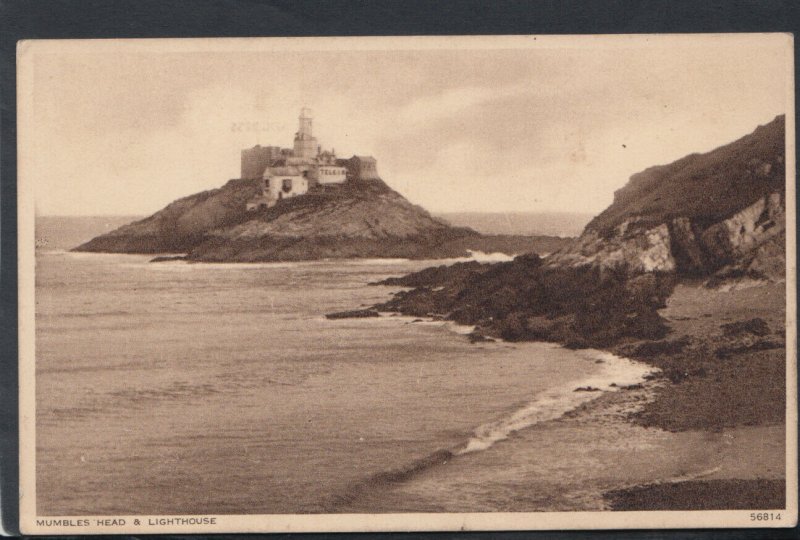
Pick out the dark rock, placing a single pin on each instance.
(351, 220)
(756, 326)
(524, 300)
(436, 276)
(168, 258)
(725, 494)
(606, 288)
(759, 345)
(676, 375)
(666, 347)
(586, 389)
(354, 314)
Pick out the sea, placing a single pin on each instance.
(563, 224)
(177, 388)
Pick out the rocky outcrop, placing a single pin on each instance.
(718, 212)
(353, 314)
(359, 219)
(181, 225)
(705, 188)
(351, 220)
(736, 237)
(526, 299)
(633, 249)
(609, 284)
(745, 240)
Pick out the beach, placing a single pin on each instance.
(738, 399)
(386, 414)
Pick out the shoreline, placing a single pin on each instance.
(721, 374)
(616, 374)
(724, 365)
(735, 468)
(696, 323)
(730, 479)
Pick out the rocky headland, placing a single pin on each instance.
(356, 219)
(684, 271)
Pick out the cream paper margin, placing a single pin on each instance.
(26, 51)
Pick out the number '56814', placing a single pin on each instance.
(765, 516)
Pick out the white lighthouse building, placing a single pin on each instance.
(284, 173)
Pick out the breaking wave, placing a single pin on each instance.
(616, 373)
(479, 256)
(553, 403)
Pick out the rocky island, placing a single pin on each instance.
(684, 271)
(301, 204)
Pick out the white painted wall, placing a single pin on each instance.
(298, 185)
(329, 174)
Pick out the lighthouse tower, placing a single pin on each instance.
(305, 145)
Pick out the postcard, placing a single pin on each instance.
(407, 283)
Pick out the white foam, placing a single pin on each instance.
(181, 265)
(744, 283)
(478, 256)
(555, 402)
(462, 329)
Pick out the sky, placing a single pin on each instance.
(456, 124)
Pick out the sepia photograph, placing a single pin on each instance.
(407, 283)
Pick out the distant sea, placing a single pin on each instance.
(564, 224)
(178, 388)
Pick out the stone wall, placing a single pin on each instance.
(255, 160)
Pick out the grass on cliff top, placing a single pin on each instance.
(704, 187)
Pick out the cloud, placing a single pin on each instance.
(452, 102)
(538, 129)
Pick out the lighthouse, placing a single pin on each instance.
(305, 145)
(283, 173)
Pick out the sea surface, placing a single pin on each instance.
(564, 224)
(176, 388)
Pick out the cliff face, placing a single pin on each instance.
(705, 188)
(180, 226)
(350, 220)
(723, 211)
(609, 284)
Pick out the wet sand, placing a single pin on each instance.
(706, 430)
(725, 392)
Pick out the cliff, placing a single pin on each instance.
(350, 220)
(705, 188)
(723, 211)
(716, 216)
